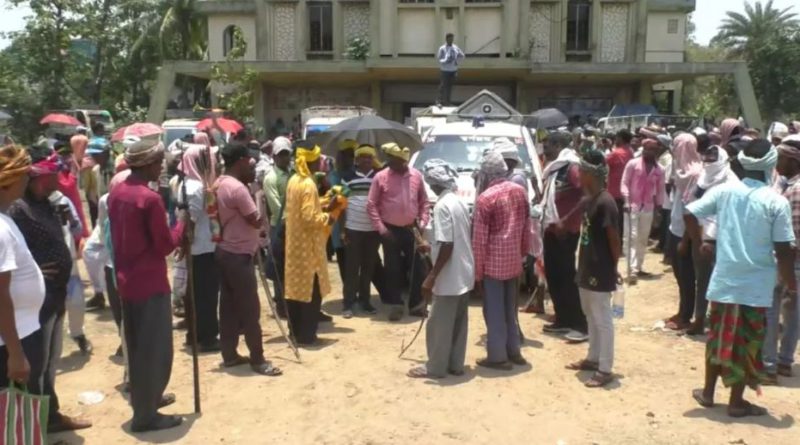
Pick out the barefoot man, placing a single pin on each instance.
(142, 240)
(452, 277)
(753, 221)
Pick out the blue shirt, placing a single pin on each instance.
(751, 217)
(335, 178)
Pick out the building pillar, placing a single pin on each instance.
(339, 43)
(374, 29)
(641, 31)
(747, 96)
(262, 31)
(645, 92)
(375, 95)
(300, 30)
(160, 94)
(524, 29)
(522, 104)
(259, 106)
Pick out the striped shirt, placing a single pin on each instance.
(359, 183)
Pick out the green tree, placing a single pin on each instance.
(768, 39)
(235, 83)
(740, 32)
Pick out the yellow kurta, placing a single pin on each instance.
(305, 240)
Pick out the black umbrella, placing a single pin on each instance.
(546, 118)
(373, 130)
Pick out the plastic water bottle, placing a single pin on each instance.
(618, 302)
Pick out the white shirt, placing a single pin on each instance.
(451, 224)
(27, 282)
(201, 243)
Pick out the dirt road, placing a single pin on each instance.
(353, 389)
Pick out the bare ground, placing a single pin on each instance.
(353, 389)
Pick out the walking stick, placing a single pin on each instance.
(192, 316)
(417, 242)
(629, 235)
(289, 339)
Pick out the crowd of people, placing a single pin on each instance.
(723, 203)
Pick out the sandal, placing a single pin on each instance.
(599, 379)
(266, 369)
(238, 361)
(748, 410)
(701, 399)
(418, 373)
(583, 365)
(502, 366)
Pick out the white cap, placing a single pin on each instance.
(281, 144)
(778, 130)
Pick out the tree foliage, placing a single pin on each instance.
(104, 53)
(233, 84)
(768, 39)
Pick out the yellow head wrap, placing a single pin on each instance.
(303, 157)
(14, 163)
(369, 150)
(392, 149)
(348, 144)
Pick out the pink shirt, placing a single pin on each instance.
(397, 199)
(234, 203)
(641, 189)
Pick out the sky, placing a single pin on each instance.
(707, 16)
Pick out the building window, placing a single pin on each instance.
(229, 39)
(579, 13)
(672, 26)
(416, 1)
(320, 26)
(483, 1)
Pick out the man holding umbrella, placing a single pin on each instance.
(397, 204)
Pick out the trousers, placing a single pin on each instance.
(446, 334)
(597, 306)
(52, 342)
(500, 314)
(205, 285)
(360, 254)
(239, 306)
(32, 348)
(640, 224)
(304, 317)
(148, 340)
(774, 356)
(703, 267)
(95, 257)
(403, 265)
(76, 306)
(683, 269)
(559, 268)
(113, 296)
(446, 81)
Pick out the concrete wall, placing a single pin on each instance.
(216, 28)
(663, 46)
(287, 102)
(417, 31)
(482, 26)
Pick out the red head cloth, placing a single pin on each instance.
(47, 166)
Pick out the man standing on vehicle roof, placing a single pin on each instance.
(449, 56)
